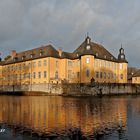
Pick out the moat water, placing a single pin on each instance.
(67, 118)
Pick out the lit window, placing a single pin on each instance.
(96, 54)
(121, 66)
(87, 60)
(88, 47)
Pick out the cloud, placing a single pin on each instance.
(28, 24)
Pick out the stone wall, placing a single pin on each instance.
(75, 89)
(47, 88)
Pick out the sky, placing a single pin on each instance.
(27, 24)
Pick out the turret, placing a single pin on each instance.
(121, 56)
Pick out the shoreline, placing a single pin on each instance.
(38, 93)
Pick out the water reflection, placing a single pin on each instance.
(61, 116)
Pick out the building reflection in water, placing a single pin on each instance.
(59, 114)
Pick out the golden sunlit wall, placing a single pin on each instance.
(55, 70)
(136, 80)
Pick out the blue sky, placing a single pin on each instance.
(26, 24)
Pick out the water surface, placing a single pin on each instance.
(46, 117)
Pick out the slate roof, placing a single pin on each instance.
(49, 51)
(136, 74)
(95, 49)
(46, 51)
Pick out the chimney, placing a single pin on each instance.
(60, 52)
(13, 54)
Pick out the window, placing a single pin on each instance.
(96, 63)
(101, 75)
(34, 64)
(29, 75)
(88, 47)
(69, 73)
(24, 75)
(24, 66)
(108, 64)
(100, 63)
(108, 75)
(104, 75)
(45, 74)
(16, 67)
(39, 75)
(45, 63)
(104, 63)
(20, 76)
(87, 73)
(96, 54)
(56, 75)
(39, 63)
(87, 60)
(8, 77)
(121, 66)
(20, 67)
(16, 76)
(11, 68)
(8, 68)
(97, 74)
(78, 74)
(88, 41)
(34, 75)
(69, 63)
(121, 76)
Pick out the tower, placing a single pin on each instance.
(121, 55)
